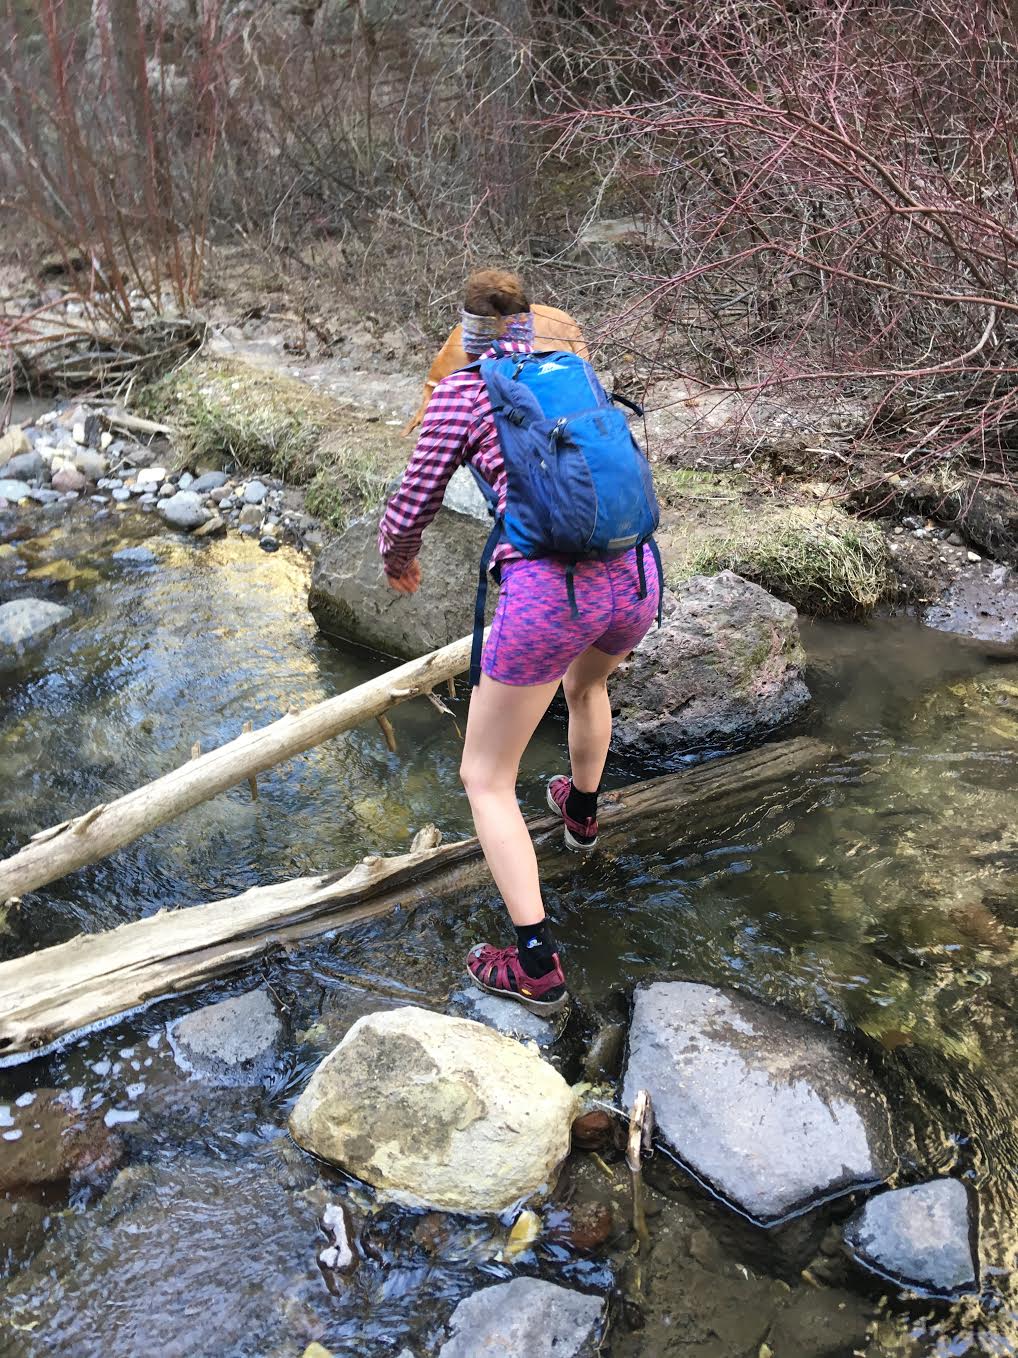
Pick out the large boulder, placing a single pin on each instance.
(724, 669)
(770, 1111)
(525, 1318)
(437, 1112)
(919, 1236)
(25, 623)
(351, 599)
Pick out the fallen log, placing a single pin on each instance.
(51, 994)
(105, 828)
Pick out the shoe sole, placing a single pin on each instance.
(576, 845)
(545, 1008)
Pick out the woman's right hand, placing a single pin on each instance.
(409, 582)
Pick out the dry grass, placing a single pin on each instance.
(231, 412)
(812, 555)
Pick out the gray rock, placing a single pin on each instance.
(505, 1016)
(248, 530)
(184, 510)
(121, 494)
(525, 1318)
(13, 490)
(250, 514)
(185, 481)
(233, 1042)
(24, 467)
(209, 481)
(981, 605)
(166, 490)
(255, 492)
(350, 598)
(463, 496)
(27, 622)
(269, 544)
(725, 669)
(136, 556)
(770, 1111)
(91, 464)
(43, 495)
(920, 1236)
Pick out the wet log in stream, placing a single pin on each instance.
(51, 994)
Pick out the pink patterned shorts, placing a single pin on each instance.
(534, 637)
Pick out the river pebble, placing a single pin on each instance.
(919, 1236)
(525, 1318)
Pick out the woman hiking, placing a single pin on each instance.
(539, 638)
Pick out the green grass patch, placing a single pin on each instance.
(823, 563)
(231, 411)
(813, 555)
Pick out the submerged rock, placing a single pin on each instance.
(724, 669)
(525, 1318)
(437, 1112)
(184, 509)
(197, 1255)
(233, 1042)
(135, 556)
(770, 1111)
(27, 622)
(48, 1139)
(920, 1236)
(351, 600)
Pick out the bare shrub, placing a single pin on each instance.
(833, 195)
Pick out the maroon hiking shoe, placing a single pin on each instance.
(498, 971)
(580, 835)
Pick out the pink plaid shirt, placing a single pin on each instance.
(458, 427)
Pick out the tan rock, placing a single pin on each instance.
(437, 1111)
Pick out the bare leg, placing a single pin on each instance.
(590, 716)
(500, 723)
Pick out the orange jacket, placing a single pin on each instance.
(553, 329)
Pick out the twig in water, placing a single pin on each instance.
(387, 732)
(641, 1129)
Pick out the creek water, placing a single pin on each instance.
(876, 895)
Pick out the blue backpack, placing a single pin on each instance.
(578, 486)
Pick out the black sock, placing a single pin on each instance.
(581, 805)
(536, 948)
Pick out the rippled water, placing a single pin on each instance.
(877, 895)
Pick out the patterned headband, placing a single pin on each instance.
(480, 332)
